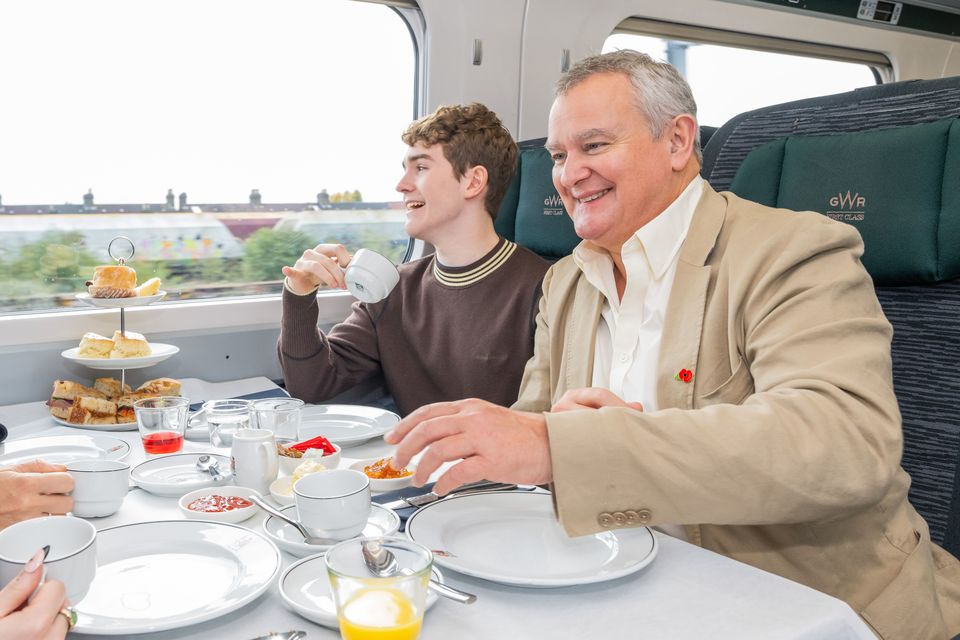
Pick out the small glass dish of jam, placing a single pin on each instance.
(219, 504)
(383, 477)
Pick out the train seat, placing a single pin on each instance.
(532, 214)
(885, 159)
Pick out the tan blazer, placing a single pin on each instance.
(783, 451)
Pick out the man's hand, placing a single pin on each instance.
(320, 266)
(493, 442)
(591, 398)
(33, 489)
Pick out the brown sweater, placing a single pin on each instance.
(442, 334)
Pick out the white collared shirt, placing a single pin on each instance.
(628, 335)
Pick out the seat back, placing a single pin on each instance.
(886, 160)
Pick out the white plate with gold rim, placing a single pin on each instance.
(514, 538)
(159, 353)
(305, 588)
(117, 303)
(153, 576)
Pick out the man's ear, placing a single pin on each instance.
(474, 181)
(683, 134)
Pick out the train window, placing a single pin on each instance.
(222, 137)
(728, 80)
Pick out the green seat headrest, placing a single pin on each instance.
(899, 187)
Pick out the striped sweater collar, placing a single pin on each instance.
(464, 276)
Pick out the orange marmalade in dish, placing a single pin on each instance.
(383, 470)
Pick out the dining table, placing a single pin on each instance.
(686, 592)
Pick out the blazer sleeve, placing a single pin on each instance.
(819, 436)
(316, 366)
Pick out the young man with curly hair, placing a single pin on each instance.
(460, 322)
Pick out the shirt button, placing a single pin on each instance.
(605, 520)
(624, 357)
(644, 515)
(620, 518)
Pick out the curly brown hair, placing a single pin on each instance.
(471, 136)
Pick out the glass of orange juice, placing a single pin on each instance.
(379, 608)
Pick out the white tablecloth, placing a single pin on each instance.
(687, 592)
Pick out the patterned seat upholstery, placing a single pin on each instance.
(924, 312)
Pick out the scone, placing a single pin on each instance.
(129, 345)
(113, 281)
(94, 345)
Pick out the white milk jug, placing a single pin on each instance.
(253, 459)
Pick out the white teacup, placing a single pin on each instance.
(334, 504)
(99, 486)
(73, 551)
(253, 459)
(370, 277)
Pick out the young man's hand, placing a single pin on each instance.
(321, 266)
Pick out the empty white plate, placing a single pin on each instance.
(382, 522)
(159, 353)
(153, 576)
(514, 538)
(345, 424)
(305, 588)
(63, 449)
(177, 474)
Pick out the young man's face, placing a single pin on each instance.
(433, 196)
(612, 176)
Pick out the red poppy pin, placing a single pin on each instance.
(684, 375)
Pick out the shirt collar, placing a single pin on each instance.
(659, 240)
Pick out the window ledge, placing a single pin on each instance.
(207, 316)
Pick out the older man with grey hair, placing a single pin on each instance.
(707, 365)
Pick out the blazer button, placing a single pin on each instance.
(644, 514)
(620, 518)
(605, 520)
(632, 517)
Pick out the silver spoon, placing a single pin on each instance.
(382, 563)
(206, 464)
(276, 513)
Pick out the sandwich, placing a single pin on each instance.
(113, 281)
(87, 410)
(110, 387)
(94, 345)
(160, 387)
(129, 345)
(63, 394)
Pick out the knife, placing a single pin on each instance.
(424, 499)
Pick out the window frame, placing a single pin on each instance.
(21, 329)
(879, 64)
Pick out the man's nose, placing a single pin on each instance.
(403, 186)
(572, 171)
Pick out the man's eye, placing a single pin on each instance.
(593, 146)
(557, 157)
(420, 168)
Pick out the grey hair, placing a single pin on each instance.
(661, 93)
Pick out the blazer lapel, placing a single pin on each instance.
(683, 324)
(584, 319)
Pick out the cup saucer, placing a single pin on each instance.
(382, 522)
(305, 588)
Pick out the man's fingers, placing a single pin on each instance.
(453, 447)
(54, 504)
(465, 472)
(422, 414)
(56, 482)
(426, 433)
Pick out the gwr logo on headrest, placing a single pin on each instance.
(848, 207)
(553, 206)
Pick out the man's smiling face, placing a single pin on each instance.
(431, 192)
(611, 174)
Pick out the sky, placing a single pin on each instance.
(208, 97)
